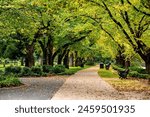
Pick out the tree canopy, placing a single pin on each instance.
(57, 29)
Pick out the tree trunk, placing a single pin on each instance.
(29, 59)
(81, 61)
(61, 56)
(120, 59)
(59, 59)
(147, 64)
(72, 60)
(66, 60)
(45, 56)
(22, 61)
(50, 51)
(127, 63)
(4, 63)
(76, 59)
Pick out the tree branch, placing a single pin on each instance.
(138, 10)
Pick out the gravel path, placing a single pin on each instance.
(34, 89)
(87, 84)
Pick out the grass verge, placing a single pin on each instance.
(107, 73)
(73, 70)
(111, 77)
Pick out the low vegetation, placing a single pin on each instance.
(41, 70)
(134, 71)
(128, 84)
(72, 70)
(8, 77)
(9, 81)
(107, 73)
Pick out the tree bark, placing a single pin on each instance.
(147, 63)
(127, 63)
(76, 59)
(29, 58)
(72, 60)
(59, 59)
(66, 60)
(50, 51)
(45, 56)
(22, 61)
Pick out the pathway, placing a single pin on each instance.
(87, 85)
(34, 89)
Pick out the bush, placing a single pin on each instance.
(58, 69)
(145, 76)
(26, 71)
(2, 78)
(36, 70)
(14, 70)
(67, 73)
(47, 68)
(133, 74)
(91, 63)
(115, 67)
(44, 74)
(139, 70)
(8, 70)
(1, 72)
(9, 81)
(138, 75)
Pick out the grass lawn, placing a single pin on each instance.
(107, 73)
(112, 78)
(73, 70)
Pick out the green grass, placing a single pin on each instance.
(9, 81)
(112, 78)
(73, 70)
(107, 73)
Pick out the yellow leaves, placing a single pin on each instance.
(127, 85)
(136, 1)
(124, 7)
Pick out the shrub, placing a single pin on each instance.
(14, 70)
(8, 70)
(133, 74)
(44, 74)
(67, 73)
(36, 70)
(10, 81)
(58, 69)
(138, 75)
(2, 78)
(1, 72)
(115, 67)
(91, 63)
(47, 68)
(26, 71)
(145, 76)
(139, 70)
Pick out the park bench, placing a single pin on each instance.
(107, 66)
(123, 74)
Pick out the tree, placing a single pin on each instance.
(132, 29)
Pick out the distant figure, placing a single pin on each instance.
(123, 74)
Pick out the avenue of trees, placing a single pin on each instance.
(75, 30)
